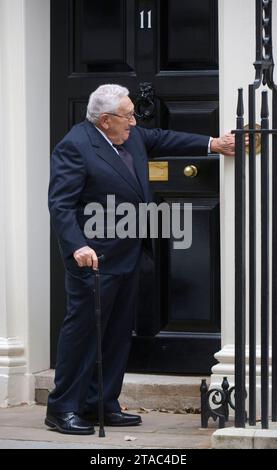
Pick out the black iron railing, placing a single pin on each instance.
(264, 66)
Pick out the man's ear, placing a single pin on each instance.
(104, 121)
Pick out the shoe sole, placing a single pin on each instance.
(96, 423)
(123, 424)
(106, 423)
(52, 425)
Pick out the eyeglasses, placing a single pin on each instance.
(128, 116)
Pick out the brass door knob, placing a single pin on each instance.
(190, 171)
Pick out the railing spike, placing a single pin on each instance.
(240, 108)
(264, 108)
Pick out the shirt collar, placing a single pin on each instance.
(104, 135)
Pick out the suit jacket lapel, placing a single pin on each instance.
(106, 152)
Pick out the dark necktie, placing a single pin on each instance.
(127, 159)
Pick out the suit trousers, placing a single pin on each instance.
(76, 371)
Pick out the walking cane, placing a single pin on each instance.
(99, 348)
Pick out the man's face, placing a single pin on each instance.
(117, 126)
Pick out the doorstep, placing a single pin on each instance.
(169, 392)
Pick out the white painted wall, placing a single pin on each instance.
(37, 89)
(236, 57)
(24, 242)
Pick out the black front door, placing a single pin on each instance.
(165, 52)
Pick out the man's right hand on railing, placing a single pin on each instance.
(224, 145)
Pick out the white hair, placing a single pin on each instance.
(105, 99)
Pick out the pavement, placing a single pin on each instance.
(23, 427)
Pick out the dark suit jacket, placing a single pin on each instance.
(85, 168)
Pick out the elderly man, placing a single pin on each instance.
(104, 155)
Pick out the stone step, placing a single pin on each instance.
(169, 392)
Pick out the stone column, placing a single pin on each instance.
(24, 162)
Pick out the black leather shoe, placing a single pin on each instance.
(68, 423)
(114, 419)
